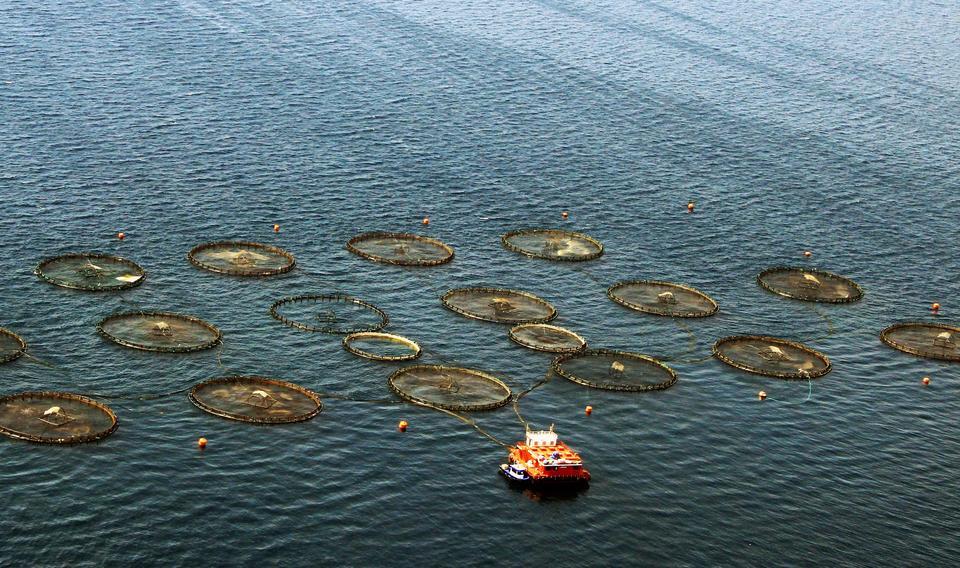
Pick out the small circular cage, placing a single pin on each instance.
(932, 340)
(400, 248)
(91, 272)
(663, 298)
(12, 346)
(553, 244)
(329, 313)
(615, 370)
(771, 356)
(381, 346)
(241, 258)
(499, 306)
(159, 331)
(449, 388)
(55, 418)
(546, 337)
(256, 399)
(810, 285)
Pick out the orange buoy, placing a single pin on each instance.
(807, 253)
(935, 307)
(121, 236)
(565, 214)
(426, 221)
(202, 443)
(276, 228)
(588, 410)
(926, 380)
(690, 206)
(762, 395)
(402, 426)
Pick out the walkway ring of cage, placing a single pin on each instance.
(241, 258)
(92, 272)
(614, 366)
(449, 388)
(256, 399)
(330, 299)
(924, 339)
(402, 249)
(160, 331)
(548, 338)
(810, 285)
(772, 357)
(663, 298)
(12, 346)
(389, 339)
(48, 417)
(499, 305)
(553, 244)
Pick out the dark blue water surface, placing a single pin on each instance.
(824, 125)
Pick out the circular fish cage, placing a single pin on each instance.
(160, 331)
(91, 272)
(241, 258)
(553, 244)
(400, 248)
(663, 298)
(329, 313)
(499, 306)
(256, 399)
(55, 418)
(810, 285)
(546, 337)
(12, 346)
(449, 388)
(615, 370)
(772, 357)
(381, 346)
(931, 340)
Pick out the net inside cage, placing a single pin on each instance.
(256, 399)
(450, 388)
(931, 340)
(615, 370)
(810, 285)
(499, 306)
(329, 313)
(553, 244)
(663, 298)
(160, 331)
(545, 337)
(241, 258)
(12, 346)
(381, 346)
(400, 248)
(91, 272)
(55, 418)
(772, 356)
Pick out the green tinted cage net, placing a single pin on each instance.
(449, 388)
(546, 337)
(159, 331)
(553, 244)
(12, 346)
(256, 399)
(381, 346)
(663, 298)
(771, 356)
(499, 306)
(241, 258)
(932, 340)
(400, 248)
(55, 418)
(91, 271)
(810, 285)
(329, 313)
(615, 370)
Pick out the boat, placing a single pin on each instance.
(542, 459)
